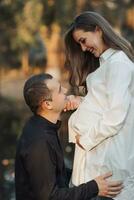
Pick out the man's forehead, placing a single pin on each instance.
(52, 83)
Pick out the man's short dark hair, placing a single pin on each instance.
(36, 90)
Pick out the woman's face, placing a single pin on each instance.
(90, 41)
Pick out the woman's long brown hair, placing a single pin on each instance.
(80, 63)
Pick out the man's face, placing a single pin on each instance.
(58, 92)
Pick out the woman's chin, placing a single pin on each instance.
(97, 55)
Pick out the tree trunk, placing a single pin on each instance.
(25, 63)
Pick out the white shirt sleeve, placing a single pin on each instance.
(118, 96)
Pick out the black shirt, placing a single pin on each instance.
(39, 166)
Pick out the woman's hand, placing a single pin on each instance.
(73, 102)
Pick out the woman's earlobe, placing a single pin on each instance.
(97, 28)
(99, 31)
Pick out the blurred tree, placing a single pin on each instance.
(12, 117)
(11, 122)
(61, 12)
(28, 25)
(7, 30)
(20, 25)
(21, 22)
(65, 12)
(128, 25)
(38, 53)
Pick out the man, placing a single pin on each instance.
(39, 166)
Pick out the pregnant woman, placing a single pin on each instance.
(102, 127)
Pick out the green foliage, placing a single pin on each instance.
(21, 21)
(28, 23)
(11, 122)
(60, 11)
(7, 30)
(12, 117)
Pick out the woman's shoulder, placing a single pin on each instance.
(121, 58)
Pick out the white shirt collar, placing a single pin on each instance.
(106, 54)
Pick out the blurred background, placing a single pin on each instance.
(32, 41)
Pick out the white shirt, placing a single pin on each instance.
(105, 121)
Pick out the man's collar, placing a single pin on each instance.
(45, 122)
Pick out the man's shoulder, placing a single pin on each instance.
(33, 133)
(30, 133)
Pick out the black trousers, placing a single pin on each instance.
(101, 198)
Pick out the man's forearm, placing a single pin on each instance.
(83, 191)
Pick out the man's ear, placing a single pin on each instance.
(47, 105)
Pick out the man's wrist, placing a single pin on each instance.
(94, 187)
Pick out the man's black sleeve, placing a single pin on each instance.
(42, 175)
